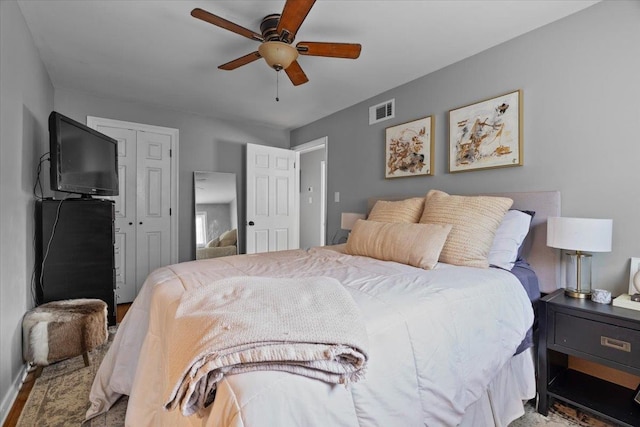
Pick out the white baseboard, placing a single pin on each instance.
(12, 393)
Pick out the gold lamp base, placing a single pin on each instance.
(578, 275)
(577, 294)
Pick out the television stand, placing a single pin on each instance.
(75, 251)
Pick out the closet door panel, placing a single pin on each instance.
(153, 203)
(125, 212)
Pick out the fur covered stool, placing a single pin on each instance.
(59, 330)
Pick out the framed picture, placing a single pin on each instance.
(487, 134)
(634, 269)
(409, 148)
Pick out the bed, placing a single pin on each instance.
(445, 344)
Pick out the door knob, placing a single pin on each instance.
(251, 223)
(140, 222)
(131, 223)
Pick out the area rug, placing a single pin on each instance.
(59, 398)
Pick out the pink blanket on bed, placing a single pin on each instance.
(306, 326)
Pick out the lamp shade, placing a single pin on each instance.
(579, 234)
(348, 220)
(278, 55)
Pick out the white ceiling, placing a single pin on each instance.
(155, 52)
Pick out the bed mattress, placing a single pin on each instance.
(437, 340)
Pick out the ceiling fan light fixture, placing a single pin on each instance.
(278, 55)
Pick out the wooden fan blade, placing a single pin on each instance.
(293, 14)
(223, 23)
(295, 73)
(243, 60)
(334, 50)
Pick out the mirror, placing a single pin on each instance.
(216, 214)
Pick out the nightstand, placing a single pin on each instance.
(598, 333)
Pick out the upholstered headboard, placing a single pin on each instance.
(544, 260)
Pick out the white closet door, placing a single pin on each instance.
(153, 204)
(125, 213)
(145, 232)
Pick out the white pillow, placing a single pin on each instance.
(508, 239)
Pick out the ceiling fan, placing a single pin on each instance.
(278, 32)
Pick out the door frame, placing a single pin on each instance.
(93, 122)
(316, 144)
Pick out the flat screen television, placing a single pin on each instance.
(83, 161)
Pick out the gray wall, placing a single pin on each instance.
(581, 85)
(25, 103)
(206, 144)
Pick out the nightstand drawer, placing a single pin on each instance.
(614, 343)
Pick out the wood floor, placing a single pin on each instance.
(25, 390)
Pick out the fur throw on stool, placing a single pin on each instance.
(62, 329)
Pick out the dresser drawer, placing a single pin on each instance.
(614, 343)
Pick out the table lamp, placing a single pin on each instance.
(579, 235)
(348, 220)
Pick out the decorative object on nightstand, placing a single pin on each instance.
(632, 299)
(601, 296)
(579, 235)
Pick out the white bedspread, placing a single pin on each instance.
(436, 340)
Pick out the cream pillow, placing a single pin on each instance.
(229, 238)
(213, 243)
(418, 245)
(408, 210)
(475, 220)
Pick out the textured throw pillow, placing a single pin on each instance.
(408, 210)
(418, 245)
(475, 220)
(508, 239)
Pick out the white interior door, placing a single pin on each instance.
(153, 234)
(272, 218)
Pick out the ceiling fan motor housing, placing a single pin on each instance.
(269, 27)
(277, 53)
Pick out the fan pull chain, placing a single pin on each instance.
(277, 85)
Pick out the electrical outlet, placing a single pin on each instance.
(336, 197)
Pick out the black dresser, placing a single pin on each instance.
(75, 251)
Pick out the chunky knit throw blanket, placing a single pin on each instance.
(307, 326)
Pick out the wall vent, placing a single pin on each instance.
(383, 111)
